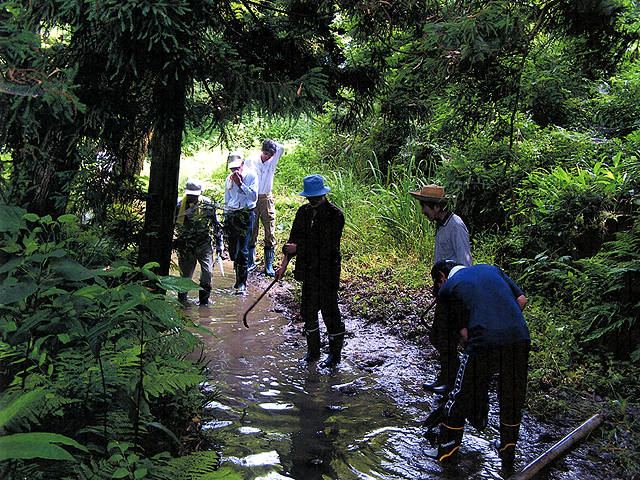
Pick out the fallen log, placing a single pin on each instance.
(560, 448)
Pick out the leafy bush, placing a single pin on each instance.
(90, 355)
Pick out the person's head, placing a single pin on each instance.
(433, 202)
(235, 162)
(192, 189)
(268, 150)
(440, 274)
(314, 189)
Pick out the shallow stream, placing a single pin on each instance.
(280, 418)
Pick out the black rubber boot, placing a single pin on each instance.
(435, 418)
(313, 345)
(204, 297)
(507, 448)
(235, 268)
(479, 414)
(241, 279)
(449, 442)
(335, 351)
(438, 386)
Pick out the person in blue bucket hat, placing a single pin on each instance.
(315, 241)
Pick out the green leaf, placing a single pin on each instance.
(177, 284)
(140, 473)
(17, 405)
(25, 446)
(15, 293)
(168, 432)
(12, 264)
(120, 473)
(71, 270)
(11, 219)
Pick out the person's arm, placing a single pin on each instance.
(227, 191)
(249, 186)
(289, 250)
(462, 246)
(278, 154)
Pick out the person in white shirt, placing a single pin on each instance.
(265, 167)
(240, 197)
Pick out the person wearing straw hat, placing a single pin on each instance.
(451, 243)
(240, 197)
(195, 220)
(315, 241)
(452, 236)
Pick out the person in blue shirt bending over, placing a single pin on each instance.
(484, 306)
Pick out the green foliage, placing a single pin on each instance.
(92, 355)
(564, 209)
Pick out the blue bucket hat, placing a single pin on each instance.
(314, 186)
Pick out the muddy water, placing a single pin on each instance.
(280, 418)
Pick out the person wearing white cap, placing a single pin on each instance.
(195, 220)
(315, 241)
(240, 197)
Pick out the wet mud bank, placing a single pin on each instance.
(279, 418)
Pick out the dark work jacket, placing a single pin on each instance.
(318, 244)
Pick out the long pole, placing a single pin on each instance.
(560, 448)
(244, 319)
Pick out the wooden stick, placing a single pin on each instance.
(560, 448)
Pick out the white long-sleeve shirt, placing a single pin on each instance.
(266, 170)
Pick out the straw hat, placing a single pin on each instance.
(432, 194)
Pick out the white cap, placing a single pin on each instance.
(234, 160)
(193, 187)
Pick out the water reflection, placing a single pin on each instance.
(279, 418)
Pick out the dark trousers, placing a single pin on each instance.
(317, 297)
(475, 372)
(239, 225)
(445, 341)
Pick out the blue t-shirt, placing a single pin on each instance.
(482, 298)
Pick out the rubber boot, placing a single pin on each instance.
(251, 262)
(437, 386)
(268, 262)
(313, 345)
(507, 448)
(435, 418)
(449, 442)
(479, 414)
(335, 351)
(241, 279)
(204, 297)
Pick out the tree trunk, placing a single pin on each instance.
(166, 144)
